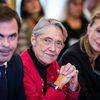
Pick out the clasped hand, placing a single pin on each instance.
(68, 74)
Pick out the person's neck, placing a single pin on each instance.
(73, 18)
(95, 55)
(74, 22)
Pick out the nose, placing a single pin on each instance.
(53, 47)
(5, 43)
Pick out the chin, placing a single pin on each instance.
(8, 58)
(50, 61)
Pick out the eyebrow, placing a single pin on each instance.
(13, 34)
(1, 35)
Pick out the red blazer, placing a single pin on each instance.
(33, 83)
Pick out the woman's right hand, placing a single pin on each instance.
(67, 73)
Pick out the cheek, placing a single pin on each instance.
(41, 47)
(92, 40)
(58, 52)
(13, 44)
(29, 8)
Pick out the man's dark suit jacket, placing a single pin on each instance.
(14, 75)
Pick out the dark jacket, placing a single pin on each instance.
(14, 76)
(89, 79)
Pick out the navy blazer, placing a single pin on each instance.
(14, 73)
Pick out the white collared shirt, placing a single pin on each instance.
(4, 64)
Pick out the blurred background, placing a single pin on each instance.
(52, 8)
(74, 15)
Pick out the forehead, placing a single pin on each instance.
(8, 27)
(52, 31)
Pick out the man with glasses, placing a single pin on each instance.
(43, 78)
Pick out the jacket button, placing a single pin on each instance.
(52, 77)
(42, 84)
(42, 96)
(42, 90)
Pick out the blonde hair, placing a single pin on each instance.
(43, 22)
(84, 42)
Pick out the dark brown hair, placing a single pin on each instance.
(7, 14)
(24, 14)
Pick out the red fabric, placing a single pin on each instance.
(33, 83)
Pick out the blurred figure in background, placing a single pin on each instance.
(31, 12)
(3, 2)
(89, 8)
(75, 22)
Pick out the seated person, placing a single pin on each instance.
(85, 56)
(11, 67)
(43, 78)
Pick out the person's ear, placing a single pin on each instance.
(33, 40)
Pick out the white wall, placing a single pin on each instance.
(53, 8)
(18, 2)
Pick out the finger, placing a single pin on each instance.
(73, 74)
(65, 68)
(61, 69)
(74, 80)
(70, 70)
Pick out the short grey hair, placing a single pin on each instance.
(43, 22)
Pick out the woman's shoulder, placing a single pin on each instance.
(75, 48)
(73, 54)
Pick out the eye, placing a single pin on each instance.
(1, 36)
(47, 40)
(59, 44)
(13, 36)
(98, 31)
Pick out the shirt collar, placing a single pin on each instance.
(4, 64)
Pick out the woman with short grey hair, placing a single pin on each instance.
(43, 78)
(45, 22)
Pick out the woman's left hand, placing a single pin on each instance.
(70, 72)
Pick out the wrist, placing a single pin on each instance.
(59, 82)
(60, 85)
(53, 85)
(73, 87)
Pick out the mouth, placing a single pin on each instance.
(51, 55)
(5, 53)
(98, 44)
